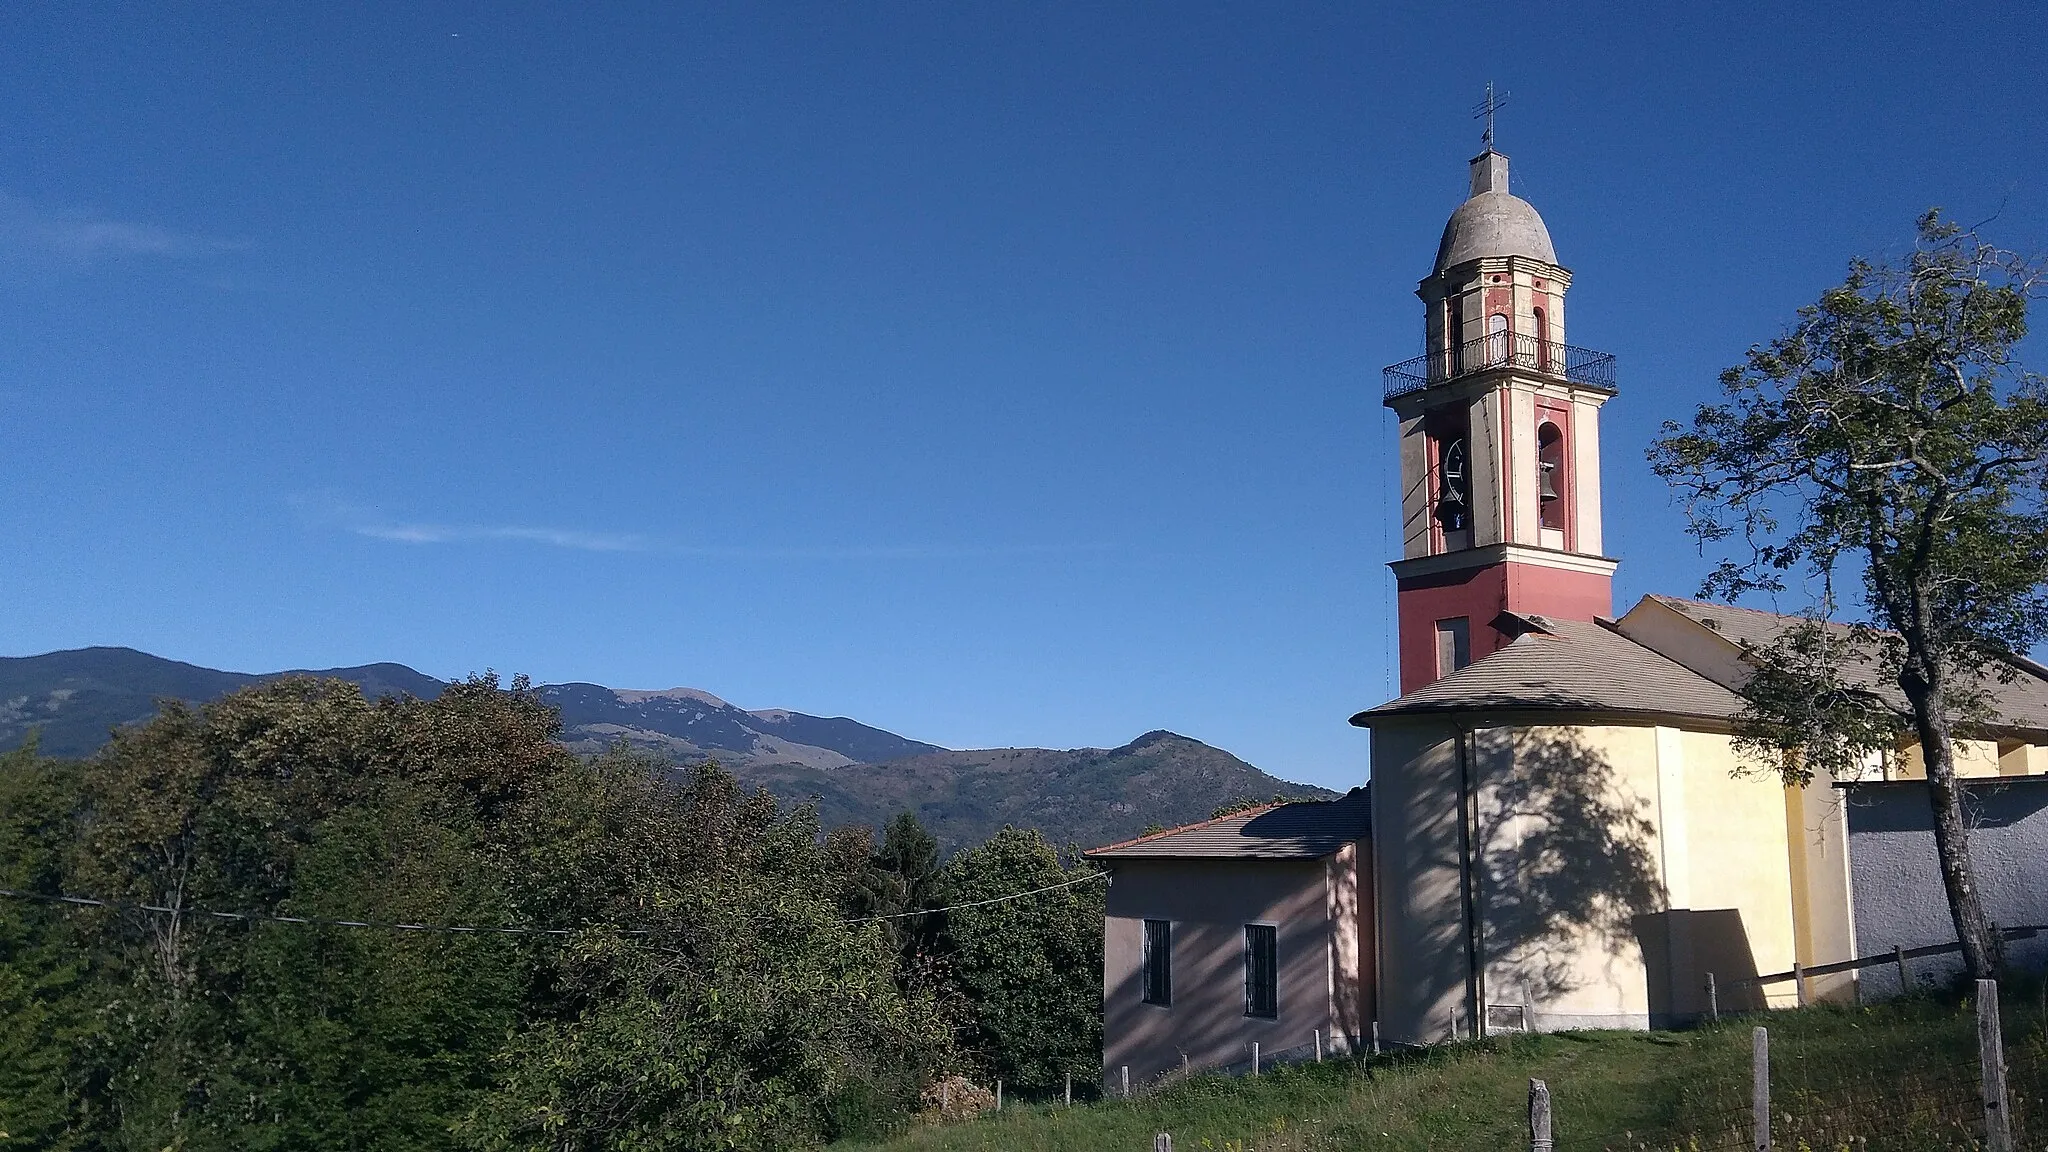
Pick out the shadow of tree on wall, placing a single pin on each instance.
(1567, 863)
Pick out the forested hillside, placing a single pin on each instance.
(1085, 796)
(660, 960)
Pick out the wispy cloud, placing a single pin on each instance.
(30, 234)
(357, 520)
(407, 533)
(333, 510)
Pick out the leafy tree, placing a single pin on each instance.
(1031, 968)
(708, 994)
(1892, 440)
(45, 1012)
(302, 797)
(743, 1012)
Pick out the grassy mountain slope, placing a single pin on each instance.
(686, 725)
(1090, 796)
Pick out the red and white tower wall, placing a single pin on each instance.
(1499, 442)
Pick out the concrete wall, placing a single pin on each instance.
(1614, 866)
(1899, 895)
(1322, 950)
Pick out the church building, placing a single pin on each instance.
(1558, 832)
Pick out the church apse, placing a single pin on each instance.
(1539, 875)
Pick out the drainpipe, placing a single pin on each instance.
(1468, 882)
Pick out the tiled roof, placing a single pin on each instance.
(1569, 665)
(2022, 701)
(1303, 830)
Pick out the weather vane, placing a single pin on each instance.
(1486, 108)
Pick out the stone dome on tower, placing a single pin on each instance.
(1493, 222)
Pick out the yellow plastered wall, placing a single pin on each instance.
(1973, 758)
(1817, 836)
(1738, 883)
(2017, 759)
(1571, 870)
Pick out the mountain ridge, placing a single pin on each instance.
(852, 772)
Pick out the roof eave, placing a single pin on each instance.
(1123, 855)
(1175, 831)
(1549, 712)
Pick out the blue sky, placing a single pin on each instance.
(996, 374)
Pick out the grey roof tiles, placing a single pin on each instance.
(1302, 830)
(1569, 665)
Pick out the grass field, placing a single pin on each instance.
(1894, 1076)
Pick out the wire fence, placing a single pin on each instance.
(1889, 1085)
(1907, 1080)
(1910, 1078)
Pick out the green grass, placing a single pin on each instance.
(1900, 1075)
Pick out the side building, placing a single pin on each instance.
(1253, 928)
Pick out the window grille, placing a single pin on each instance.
(1261, 971)
(1158, 962)
(1507, 1018)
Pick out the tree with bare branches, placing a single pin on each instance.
(1890, 447)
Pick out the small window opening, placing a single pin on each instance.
(1159, 962)
(1543, 360)
(1550, 477)
(1453, 645)
(1454, 333)
(1261, 971)
(1496, 340)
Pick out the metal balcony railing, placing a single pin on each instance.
(1501, 350)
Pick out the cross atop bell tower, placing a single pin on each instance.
(1500, 440)
(1487, 108)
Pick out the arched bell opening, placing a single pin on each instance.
(1450, 485)
(1553, 483)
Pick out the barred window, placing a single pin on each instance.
(1158, 962)
(1261, 971)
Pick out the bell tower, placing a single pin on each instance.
(1499, 442)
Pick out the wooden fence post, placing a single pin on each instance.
(945, 1096)
(1127, 1081)
(1539, 1116)
(1163, 1142)
(1799, 983)
(1070, 1089)
(1255, 1057)
(1991, 1062)
(1375, 1037)
(999, 1095)
(1713, 1000)
(1899, 958)
(1760, 1089)
(1319, 1045)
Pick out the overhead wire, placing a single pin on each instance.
(981, 903)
